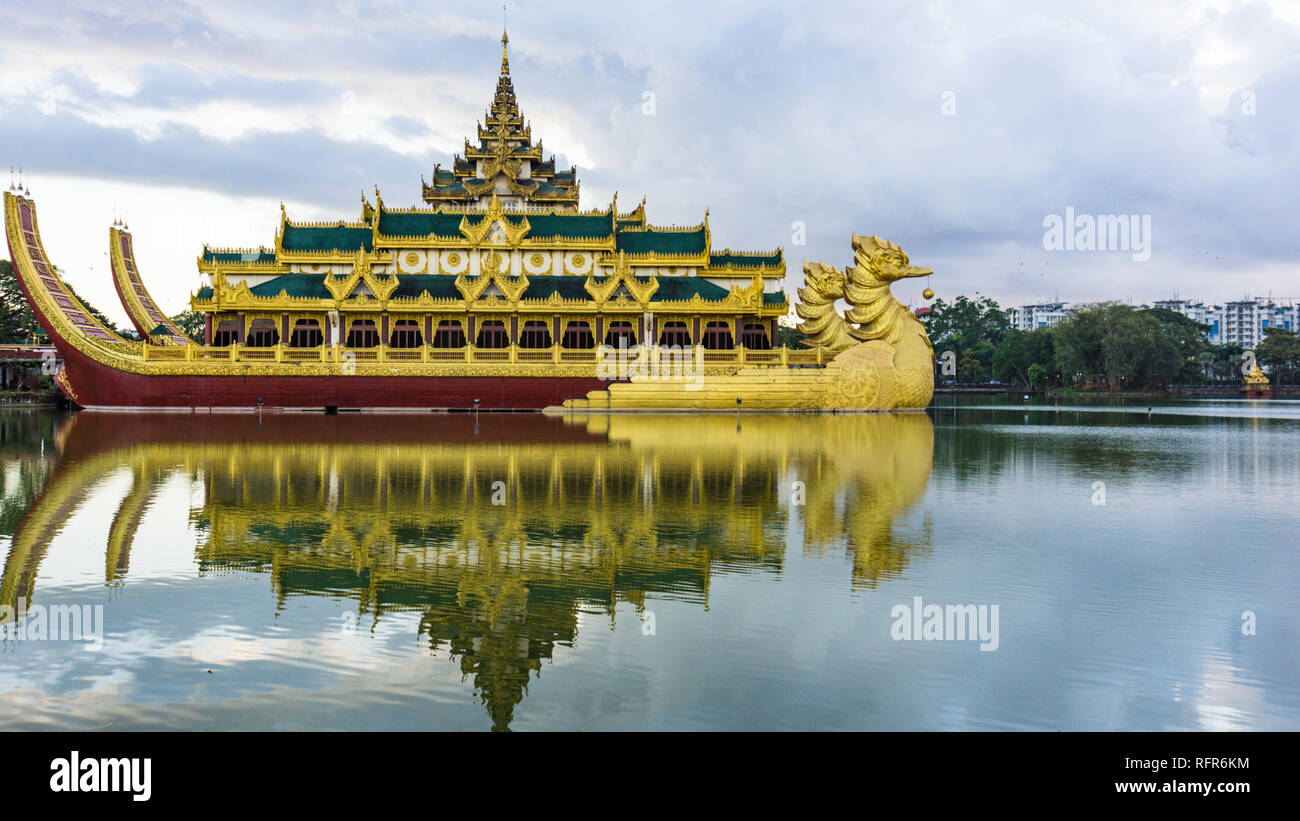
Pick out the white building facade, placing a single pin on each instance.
(1241, 322)
(1032, 317)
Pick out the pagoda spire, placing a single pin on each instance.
(504, 147)
(504, 104)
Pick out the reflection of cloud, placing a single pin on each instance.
(1227, 703)
(332, 648)
(155, 683)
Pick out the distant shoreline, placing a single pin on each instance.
(1181, 392)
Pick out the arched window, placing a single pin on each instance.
(406, 334)
(620, 334)
(363, 334)
(577, 335)
(717, 337)
(449, 334)
(492, 334)
(227, 333)
(535, 334)
(754, 337)
(675, 334)
(306, 334)
(262, 333)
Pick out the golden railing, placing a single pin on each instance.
(513, 354)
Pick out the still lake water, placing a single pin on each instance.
(656, 572)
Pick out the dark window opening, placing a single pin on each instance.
(675, 334)
(578, 335)
(620, 335)
(717, 337)
(306, 334)
(227, 333)
(535, 335)
(406, 334)
(492, 334)
(754, 337)
(363, 334)
(262, 334)
(449, 334)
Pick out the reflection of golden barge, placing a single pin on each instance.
(400, 518)
(499, 294)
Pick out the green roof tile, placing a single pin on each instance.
(677, 288)
(651, 241)
(439, 286)
(541, 287)
(419, 224)
(332, 238)
(585, 226)
(238, 256)
(772, 260)
(296, 285)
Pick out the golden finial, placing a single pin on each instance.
(505, 43)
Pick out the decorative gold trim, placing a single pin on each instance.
(132, 299)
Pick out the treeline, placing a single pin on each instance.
(1104, 344)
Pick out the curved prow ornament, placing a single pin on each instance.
(885, 360)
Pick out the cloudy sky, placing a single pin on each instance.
(954, 129)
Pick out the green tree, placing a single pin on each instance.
(1189, 338)
(1225, 362)
(1280, 350)
(1078, 341)
(972, 329)
(1037, 376)
(1127, 348)
(1137, 352)
(1040, 349)
(17, 322)
(1011, 359)
(191, 322)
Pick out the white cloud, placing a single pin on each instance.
(765, 114)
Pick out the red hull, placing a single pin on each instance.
(97, 385)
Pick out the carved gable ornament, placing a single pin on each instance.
(621, 283)
(494, 228)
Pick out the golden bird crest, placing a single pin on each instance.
(873, 311)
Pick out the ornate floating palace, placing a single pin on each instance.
(498, 293)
